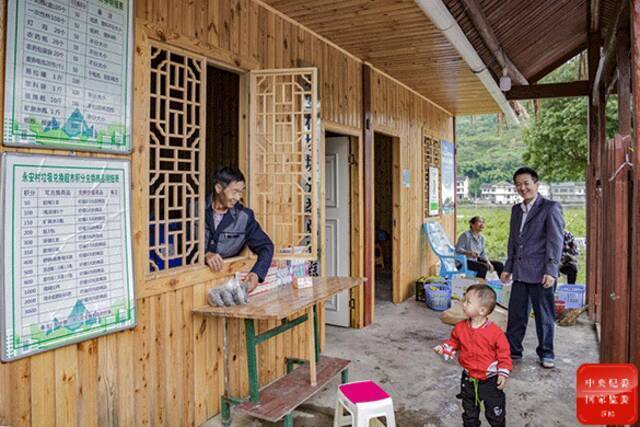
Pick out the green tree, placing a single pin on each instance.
(556, 140)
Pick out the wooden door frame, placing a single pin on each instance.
(356, 255)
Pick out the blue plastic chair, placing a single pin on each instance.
(442, 247)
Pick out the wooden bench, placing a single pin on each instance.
(279, 304)
(281, 397)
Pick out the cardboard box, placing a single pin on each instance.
(279, 274)
(302, 282)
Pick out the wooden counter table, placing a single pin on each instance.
(280, 398)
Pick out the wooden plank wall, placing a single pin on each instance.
(168, 370)
(398, 111)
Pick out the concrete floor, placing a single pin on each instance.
(396, 352)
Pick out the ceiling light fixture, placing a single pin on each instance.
(505, 81)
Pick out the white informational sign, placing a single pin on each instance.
(66, 256)
(447, 163)
(434, 191)
(68, 74)
(406, 178)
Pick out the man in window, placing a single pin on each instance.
(230, 226)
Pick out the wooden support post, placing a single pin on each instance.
(621, 233)
(549, 90)
(634, 321)
(607, 61)
(601, 184)
(311, 340)
(615, 304)
(316, 334)
(455, 175)
(624, 80)
(616, 249)
(594, 201)
(368, 195)
(595, 7)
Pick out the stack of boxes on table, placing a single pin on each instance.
(281, 272)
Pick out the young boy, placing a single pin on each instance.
(485, 356)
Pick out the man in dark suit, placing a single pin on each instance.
(533, 261)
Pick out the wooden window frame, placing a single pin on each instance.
(199, 172)
(153, 283)
(431, 155)
(261, 136)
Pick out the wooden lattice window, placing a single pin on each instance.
(175, 140)
(430, 159)
(284, 158)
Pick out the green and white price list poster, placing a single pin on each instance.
(67, 271)
(68, 74)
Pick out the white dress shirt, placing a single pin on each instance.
(526, 207)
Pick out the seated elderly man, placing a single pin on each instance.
(230, 226)
(471, 244)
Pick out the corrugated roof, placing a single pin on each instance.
(535, 35)
(396, 37)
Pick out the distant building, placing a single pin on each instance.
(568, 193)
(544, 189)
(501, 193)
(462, 188)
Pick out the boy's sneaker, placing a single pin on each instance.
(548, 363)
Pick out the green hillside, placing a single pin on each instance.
(486, 155)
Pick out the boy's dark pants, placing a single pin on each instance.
(493, 399)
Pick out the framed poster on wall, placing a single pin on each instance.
(434, 191)
(68, 74)
(448, 176)
(66, 258)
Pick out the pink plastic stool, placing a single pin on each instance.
(363, 400)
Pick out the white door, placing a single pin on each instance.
(337, 243)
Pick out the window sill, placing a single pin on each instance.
(178, 278)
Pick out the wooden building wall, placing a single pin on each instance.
(168, 370)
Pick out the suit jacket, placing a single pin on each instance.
(237, 229)
(537, 250)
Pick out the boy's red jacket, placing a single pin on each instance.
(484, 352)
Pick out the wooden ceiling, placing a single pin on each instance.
(396, 37)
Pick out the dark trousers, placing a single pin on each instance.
(543, 303)
(481, 268)
(571, 271)
(493, 399)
